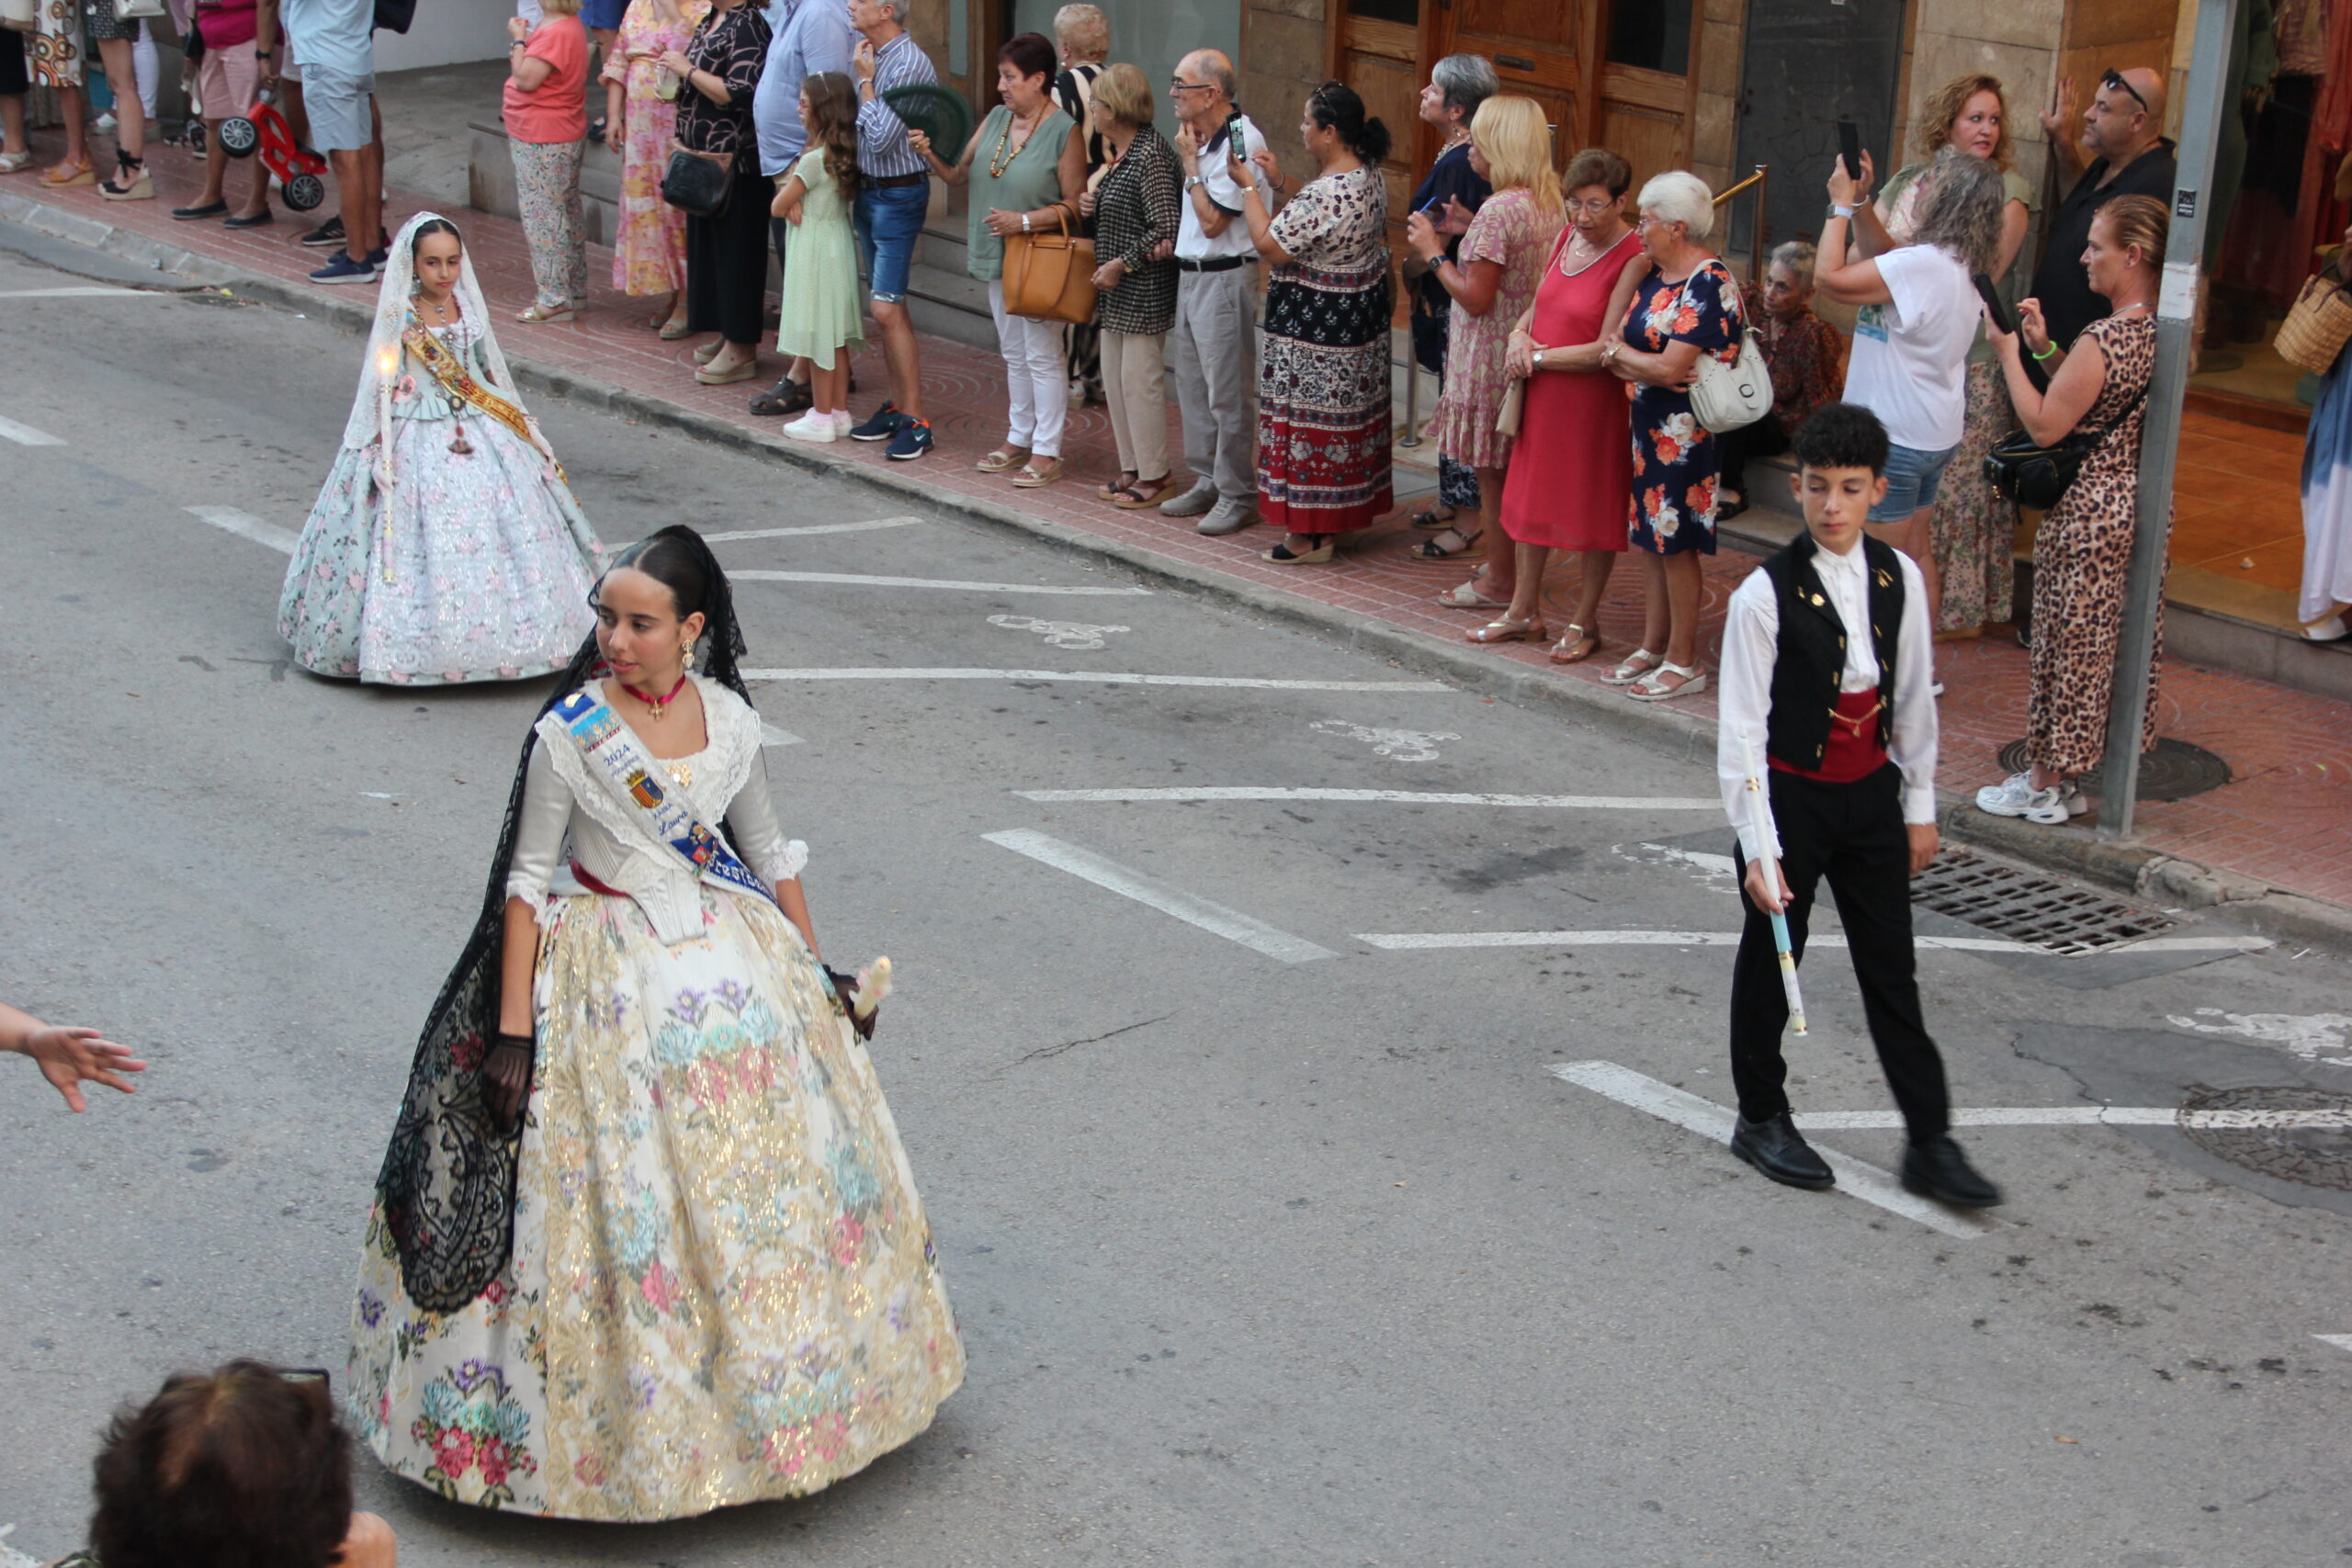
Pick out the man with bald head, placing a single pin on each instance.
(1215, 346)
(2122, 134)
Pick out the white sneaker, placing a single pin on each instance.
(1193, 502)
(2016, 797)
(2077, 803)
(842, 422)
(814, 426)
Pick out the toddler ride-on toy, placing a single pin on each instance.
(262, 129)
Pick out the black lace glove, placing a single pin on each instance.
(507, 1079)
(845, 991)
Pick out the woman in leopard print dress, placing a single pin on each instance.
(2083, 553)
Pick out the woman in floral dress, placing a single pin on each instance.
(1686, 305)
(1323, 434)
(445, 546)
(645, 1243)
(650, 251)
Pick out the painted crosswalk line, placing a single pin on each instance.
(1856, 1178)
(246, 525)
(26, 435)
(1168, 899)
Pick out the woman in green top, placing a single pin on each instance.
(1026, 160)
(1972, 528)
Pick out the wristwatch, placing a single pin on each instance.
(1537, 359)
(1838, 209)
(1190, 181)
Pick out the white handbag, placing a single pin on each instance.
(1731, 397)
(137, 10)
(21, 16)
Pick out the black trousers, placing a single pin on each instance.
(1765, 438)
(727, 261)
(1853, 835)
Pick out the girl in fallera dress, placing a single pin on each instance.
(645, 1243)
(445, 546)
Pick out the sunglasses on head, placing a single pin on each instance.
(2114, 78)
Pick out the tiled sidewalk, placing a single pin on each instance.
(2285, 820)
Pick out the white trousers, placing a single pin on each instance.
(1037, 386)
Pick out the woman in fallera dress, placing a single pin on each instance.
(645, 1243)
(445, 546)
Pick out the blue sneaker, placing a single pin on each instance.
(880, 425)
(913, 438)
(341, 268)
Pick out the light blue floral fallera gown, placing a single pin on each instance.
(476, 566)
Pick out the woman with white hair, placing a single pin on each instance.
(1082, 40)
(1805, 356)
(1687, 305)
(1917, 322)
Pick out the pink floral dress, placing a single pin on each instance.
(1517, 235)
(650, 252)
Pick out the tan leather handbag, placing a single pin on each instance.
(1049, 275)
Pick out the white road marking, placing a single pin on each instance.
(1704, 1117)
(2093, 1116)
(1096, 677)
(246, 525)
(26, 435)
(1390, 797)
(861, 580)
(1075, 636)
(1417, 940)
(1709, 866)
(2305, 1035)
(1404, 745)
(866, 527)
(2341, 1341)
(771, 736)
(1230, 924)
(87, 292)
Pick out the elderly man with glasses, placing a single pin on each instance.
(1216, 335)
(2122, 136)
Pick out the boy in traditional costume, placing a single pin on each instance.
(1826, 703)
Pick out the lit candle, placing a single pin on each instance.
(387, 365)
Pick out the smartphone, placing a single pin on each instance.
(1849, 147)
(1233, 136)
(2001, 319)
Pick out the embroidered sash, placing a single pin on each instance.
(457, 382)
(614, 755)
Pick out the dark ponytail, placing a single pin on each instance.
(1335, 107)
(679, 559)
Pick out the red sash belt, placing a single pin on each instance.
(590, 883)
(1853, 752)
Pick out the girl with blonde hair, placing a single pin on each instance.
(1491, 279)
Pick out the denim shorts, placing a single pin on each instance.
(1912, 477)
(889, 221)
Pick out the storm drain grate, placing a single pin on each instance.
(2027, 906)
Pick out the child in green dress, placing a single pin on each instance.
(822, 314)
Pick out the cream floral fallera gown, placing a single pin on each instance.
(722, 1286)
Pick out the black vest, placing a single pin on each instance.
(1811, 659)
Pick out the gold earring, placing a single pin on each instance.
(689, 651)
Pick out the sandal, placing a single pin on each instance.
(1638, 663)
(1432, 550)
(1429, 522)
(1145, 493)
(1032, 476)
(709, 351)
(1123, 485)
(1465, 597)
(544, 313)
(1651, 689)
(672, 328)
(1505, 629)
(131, 182)
(1565, 651)
(1003, 458)
(15, 163)
(58, 176)
(1315, 555)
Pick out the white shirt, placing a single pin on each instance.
(1192, 241)
(1743, 683)
(1910, 360)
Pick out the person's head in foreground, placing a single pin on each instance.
(1841, 473)
(245, 1467)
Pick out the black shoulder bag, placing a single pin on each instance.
(2021, 470)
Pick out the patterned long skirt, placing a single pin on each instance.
(722, 1287)
(1973, 530)
(546, 188)
(1323, 410)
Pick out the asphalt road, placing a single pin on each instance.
(1277, 1246)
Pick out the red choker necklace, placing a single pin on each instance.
(661, 706)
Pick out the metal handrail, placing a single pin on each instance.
(1755, 243)
(1755, 179)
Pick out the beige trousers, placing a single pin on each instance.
(1133, 385)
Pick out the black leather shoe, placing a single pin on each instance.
(1779, 1151)
(788, 396)
(1936, 1168)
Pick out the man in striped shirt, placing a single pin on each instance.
(893, 195)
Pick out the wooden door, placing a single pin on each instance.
(1645, 85)
(1541, 50)
(1380, 45)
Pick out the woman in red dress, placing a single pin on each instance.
(1572, 466)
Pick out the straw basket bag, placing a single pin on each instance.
(2315, 331)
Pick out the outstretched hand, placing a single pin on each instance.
(70, 1057)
